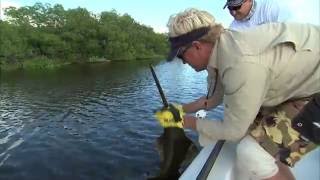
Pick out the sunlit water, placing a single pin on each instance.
(88, 121)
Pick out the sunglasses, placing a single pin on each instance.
(234, 8)
(181, 52)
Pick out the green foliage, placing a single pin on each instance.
(13, 44)
(74, 35)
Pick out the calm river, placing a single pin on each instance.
(87, 121)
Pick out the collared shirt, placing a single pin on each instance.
(251, 12)
(263, 66)
(264, 11)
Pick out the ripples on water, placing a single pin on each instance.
(87, 122)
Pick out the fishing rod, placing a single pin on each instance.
(164, 100)
(218, 146)
(173, 144)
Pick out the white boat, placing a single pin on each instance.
(306, 169)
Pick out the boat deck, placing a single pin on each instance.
(308, 168)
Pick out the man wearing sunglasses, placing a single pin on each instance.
(248, 13)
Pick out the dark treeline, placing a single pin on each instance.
(53, 33)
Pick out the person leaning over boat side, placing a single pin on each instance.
(247, 14)
(253, 71)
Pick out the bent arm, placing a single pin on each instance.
(217, 97)
(195, 105)
(204, 103)
(245, 86)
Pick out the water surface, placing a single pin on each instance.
(87, 121)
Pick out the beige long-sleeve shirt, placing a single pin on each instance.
(263, 66)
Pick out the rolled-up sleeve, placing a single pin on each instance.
(245, 86)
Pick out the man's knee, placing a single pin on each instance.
(253, 158)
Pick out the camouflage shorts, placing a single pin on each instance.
(272, 129)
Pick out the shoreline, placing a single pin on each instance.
(49, 64)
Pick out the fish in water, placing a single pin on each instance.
(176, 151)
(175, 148)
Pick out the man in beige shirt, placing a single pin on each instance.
(247, 14)
(261, 67)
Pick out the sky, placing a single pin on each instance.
(155, 13)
